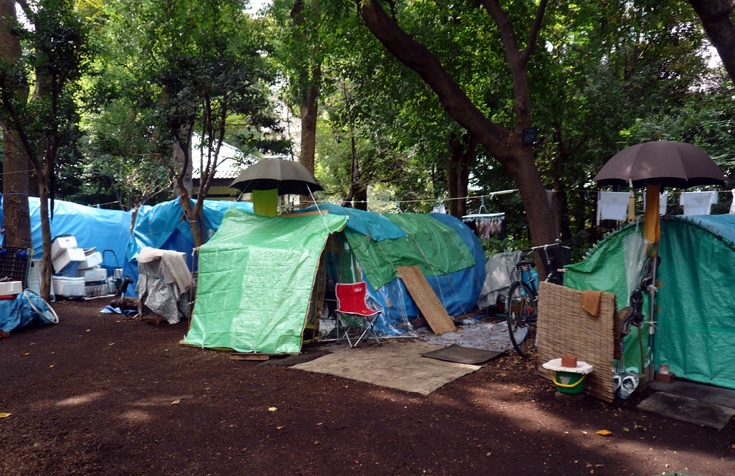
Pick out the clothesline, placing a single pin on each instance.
(438, 200)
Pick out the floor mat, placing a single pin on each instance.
(462, 355)
(687, 409)
(396, 364)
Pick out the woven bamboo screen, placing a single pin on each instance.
(564, 328)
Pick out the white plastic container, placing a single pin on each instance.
(67, 256)
(68, 287)
(90, 261)
(93, 275)
(9, 288)
(95, 290)
(61, 243)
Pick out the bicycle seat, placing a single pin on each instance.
(525, 264)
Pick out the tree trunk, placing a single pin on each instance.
(461, 158)
(17, 221)
(308, 106)
(503, 144)
(717, 23)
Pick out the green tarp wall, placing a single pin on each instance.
(432, 246)
(255, 282)
(695, 331)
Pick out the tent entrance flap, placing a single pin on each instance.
(256, 282)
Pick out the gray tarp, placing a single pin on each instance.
(500, 272)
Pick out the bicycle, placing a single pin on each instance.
(521, 303)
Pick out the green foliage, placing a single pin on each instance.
(173, 68)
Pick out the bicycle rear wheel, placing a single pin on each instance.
(520, 308)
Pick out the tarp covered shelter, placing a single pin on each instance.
(695, 323)
(256, 262)
(164, 226)
(93, 227)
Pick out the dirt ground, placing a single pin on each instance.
(107, 394)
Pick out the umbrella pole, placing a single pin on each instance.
(651, 317)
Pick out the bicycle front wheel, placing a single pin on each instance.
(520, 309)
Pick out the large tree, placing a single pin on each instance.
(15, 163)
(46, 122)
(504, 143)
(195, 66)
(717, 19)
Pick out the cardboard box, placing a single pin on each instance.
(67, 256)
(91, 260)
(69, 287)
(61, 243)
(92, 275)
(8, 288)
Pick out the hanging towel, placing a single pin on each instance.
(697, 203)
(591, 302)
(663, 200)
(612, 206)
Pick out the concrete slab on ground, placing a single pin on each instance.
(692, 402)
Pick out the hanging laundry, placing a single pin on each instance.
(612, 206)
(697, 203)
(662, 203)
(439, 208)
(486, 225)
(732, 205)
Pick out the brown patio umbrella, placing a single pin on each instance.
(664, 163)
(656, 165)
(285, 176)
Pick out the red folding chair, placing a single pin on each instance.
(354, 315)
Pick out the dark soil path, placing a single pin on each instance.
(105, 394)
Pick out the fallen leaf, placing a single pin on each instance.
(25, 354)
(272, 409)
(176, 402)
(604, 432)
(279, 428)
(51, 366)
(5, 415)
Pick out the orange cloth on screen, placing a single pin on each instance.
(591, 302)
(652, 221)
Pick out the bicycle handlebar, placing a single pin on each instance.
(556, 244)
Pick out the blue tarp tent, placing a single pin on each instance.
(92, 227)
(165, 227)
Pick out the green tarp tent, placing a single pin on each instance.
(254, 267)
(695, 322)
(258, 276)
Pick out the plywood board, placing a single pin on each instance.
(427, 301)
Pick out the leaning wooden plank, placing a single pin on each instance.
(426, 299)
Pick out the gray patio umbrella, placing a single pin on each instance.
(286, 176)
(665, 163)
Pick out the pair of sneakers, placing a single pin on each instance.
(626, 383)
